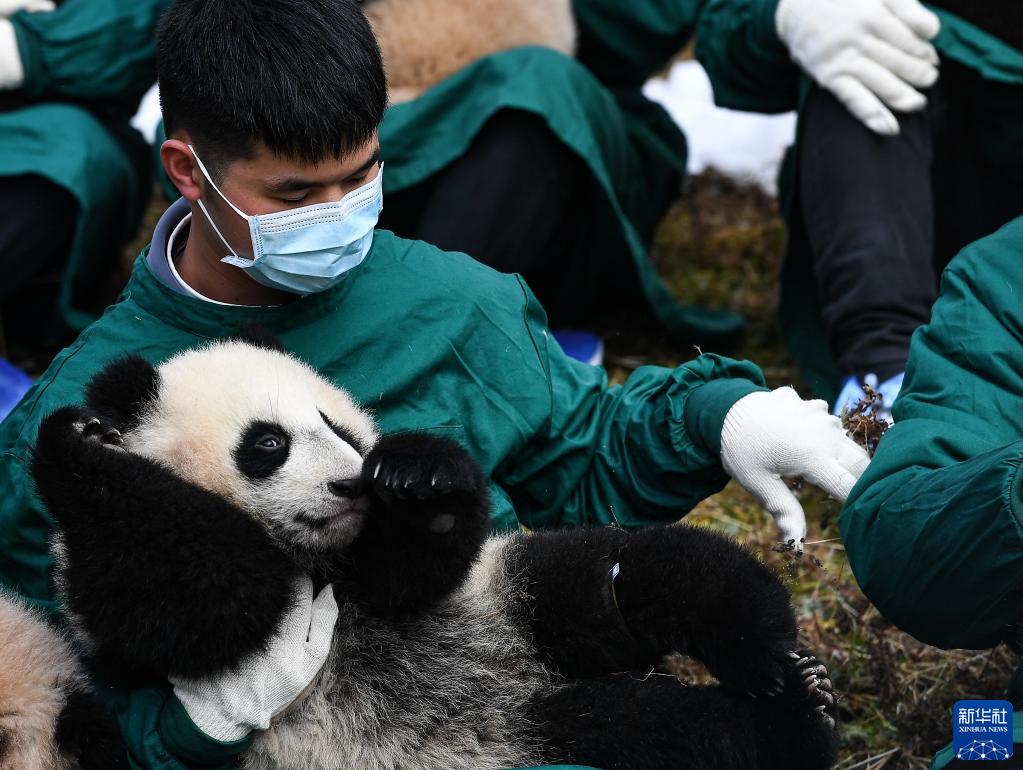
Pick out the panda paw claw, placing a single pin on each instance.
(93, 430)
(815, 687)
(419, 467)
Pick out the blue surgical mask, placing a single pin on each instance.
(308, 249)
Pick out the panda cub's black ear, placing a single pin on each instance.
(122, 390)
(258, 336)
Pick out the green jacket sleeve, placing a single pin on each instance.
(748, 66)
(933, 528)
(642, 452)
(624, 43)
(160, 735)
(90, 50)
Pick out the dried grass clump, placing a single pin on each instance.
(862, 424)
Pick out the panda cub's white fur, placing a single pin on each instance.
(195, 434)
(37, 667)
(466, 670)
(425, 41)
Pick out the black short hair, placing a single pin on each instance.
(304, 77)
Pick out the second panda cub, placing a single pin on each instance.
(189, 497)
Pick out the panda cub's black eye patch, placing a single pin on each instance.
(345, 435)
(262, 449)
(270, 443)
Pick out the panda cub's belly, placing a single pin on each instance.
(445, 691)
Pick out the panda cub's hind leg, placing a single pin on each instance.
(654, 722)
(607, 600)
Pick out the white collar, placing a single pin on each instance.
(188, 290)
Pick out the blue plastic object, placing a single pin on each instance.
(582, 346)
(14, 384)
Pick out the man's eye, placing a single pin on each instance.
(299, 199)
(269, 443)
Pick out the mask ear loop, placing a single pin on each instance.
(234, 259)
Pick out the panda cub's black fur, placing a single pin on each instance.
(189, 496)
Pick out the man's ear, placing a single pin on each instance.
(179, 163)
(123, 389)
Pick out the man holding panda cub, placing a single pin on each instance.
(272, 111)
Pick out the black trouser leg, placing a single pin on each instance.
(885, 215)
(977, 174)
(36, 229)
(521, 202)
(869, 221)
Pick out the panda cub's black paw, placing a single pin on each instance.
(75, 429)
(416, 471)
(95, 431)
(418, 466)
(808, 682)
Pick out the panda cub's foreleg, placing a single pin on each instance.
(606, 600)
(170, 540)
(427, 518)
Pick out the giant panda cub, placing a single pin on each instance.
(423, 42)
(190, 495)
(49, 717)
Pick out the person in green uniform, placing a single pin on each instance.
(585, 161)
(576, 144)
(933, 528)
(281, 187)
(74, 175)
(877, 201)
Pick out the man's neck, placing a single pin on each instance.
(200, 267)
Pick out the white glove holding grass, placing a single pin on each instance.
(230, 706)
(10, 7)
(768, 437)
(868, 53)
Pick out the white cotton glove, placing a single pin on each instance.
(12, 73)
(10, 7)
(230, 706)
(868, 53)
(768, 437)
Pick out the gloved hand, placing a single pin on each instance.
(768, 436)
(230, 706)
(868, 53)
(12, 73)
(10, 7)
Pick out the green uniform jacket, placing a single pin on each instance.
(934, 528)
(87, 65)
(595, 106)
(427, 340)
(750, 70)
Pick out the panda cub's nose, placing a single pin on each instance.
(345, 487)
